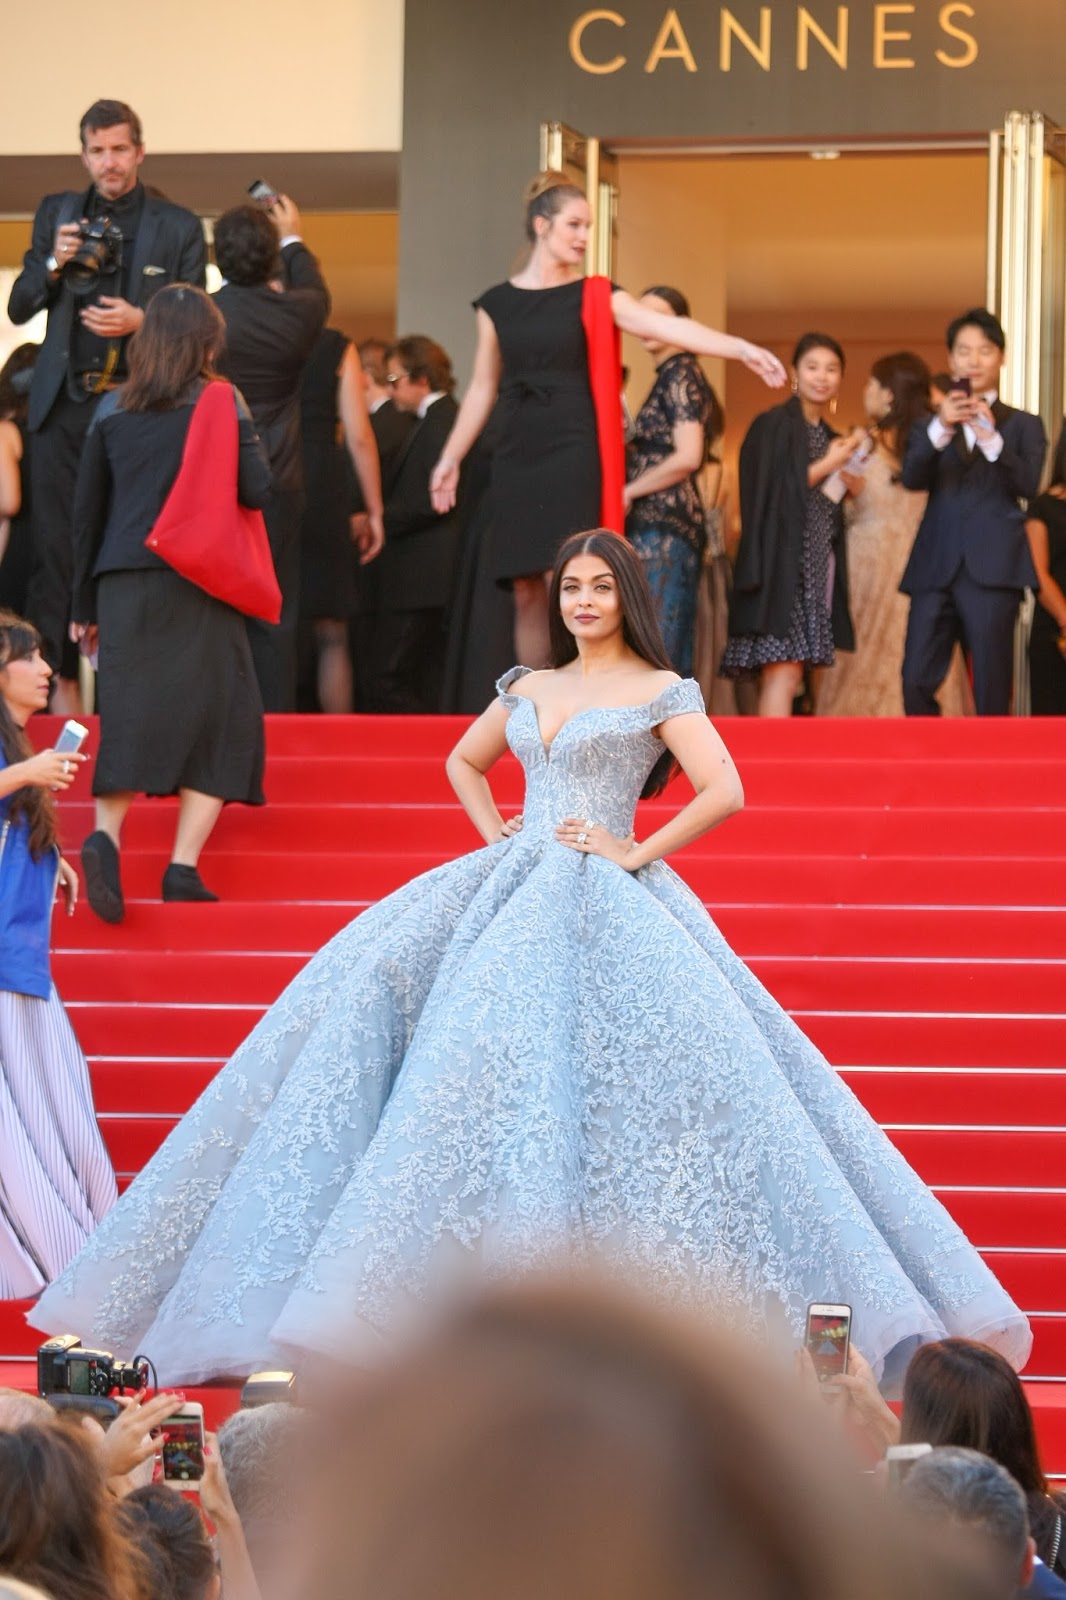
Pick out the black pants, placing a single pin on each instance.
(274, 644)
(408, 660)
(54, 459)
(982, 621)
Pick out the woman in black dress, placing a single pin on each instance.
(332, 404)
(180, 709)
(16, 515)
(664, 511)
(532, 358)
(1046, 530)
(789, 606)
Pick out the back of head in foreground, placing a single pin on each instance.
(568, 1441)
(58, 1527)
(976, 1512)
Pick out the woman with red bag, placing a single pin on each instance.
(180, 710)
(547, 360)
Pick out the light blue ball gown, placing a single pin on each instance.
(525, 1054)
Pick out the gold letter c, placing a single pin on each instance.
(577, 48)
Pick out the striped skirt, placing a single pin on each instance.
(56, 1181)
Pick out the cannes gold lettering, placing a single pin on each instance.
(884, 36)
(892, 32)
(577, 42)
(969, 54)
(836, 48)
(731, 29)
(670, 45)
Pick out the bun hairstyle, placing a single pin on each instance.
(546, 196)
(677, 302)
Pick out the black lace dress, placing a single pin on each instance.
(667, 528)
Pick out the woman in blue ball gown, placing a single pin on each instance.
(544, 1049)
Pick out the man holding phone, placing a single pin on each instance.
(979, 460)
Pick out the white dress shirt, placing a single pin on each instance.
(989, 442)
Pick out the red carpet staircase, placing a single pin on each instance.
(899, 886)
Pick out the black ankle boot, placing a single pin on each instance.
(185, 883)
(103, 886)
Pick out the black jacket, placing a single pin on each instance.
(390, 428)
(128, 466)
(269, 336)
(773, 511)
(169, 249)
(417, 564)
(974, 519)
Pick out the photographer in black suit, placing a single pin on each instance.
(95, 260)
(416, 566)
(275, 303)
(979, 460)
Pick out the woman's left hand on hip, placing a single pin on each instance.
(592, 839)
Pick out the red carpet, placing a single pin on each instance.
(899, 886)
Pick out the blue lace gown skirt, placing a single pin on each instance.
(524, 1054)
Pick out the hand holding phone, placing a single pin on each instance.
(262, 193)
(827, 1338)
(72, 735)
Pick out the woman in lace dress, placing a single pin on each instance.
(543, 1049)
(664, 511)
(882, 519)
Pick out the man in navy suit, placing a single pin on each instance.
(86, 335)
(979, 460)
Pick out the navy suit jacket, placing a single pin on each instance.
(169, 248)
(974, 519)
(417, 565)
(1044, 1584)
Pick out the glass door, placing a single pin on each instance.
(1027, 288)
(594, 169)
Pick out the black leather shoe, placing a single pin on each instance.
(103, 886)
(185, 883)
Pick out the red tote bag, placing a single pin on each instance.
(203, 531)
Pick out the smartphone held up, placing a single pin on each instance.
(827, 1338)
(183, 1447)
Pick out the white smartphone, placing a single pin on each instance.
(900, 1458)
(827, 1338)
(183, 1446)
(72, 735)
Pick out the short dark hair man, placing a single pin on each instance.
(978, 459)
(89, 323)
(275, 304)
(416, 567)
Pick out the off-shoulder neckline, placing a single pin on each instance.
(548, 746)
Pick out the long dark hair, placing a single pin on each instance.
(640, 626)
(178, 342)
(18, 641)
(907, 376)
(959, 1392)
(14, 381)
(57, 1525)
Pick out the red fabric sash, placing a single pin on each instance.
(605, 381)
(203, 531)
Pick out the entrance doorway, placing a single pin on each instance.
(879, 250)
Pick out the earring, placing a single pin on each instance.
(795, 386)
(833, 406)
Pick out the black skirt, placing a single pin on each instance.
(179, 703)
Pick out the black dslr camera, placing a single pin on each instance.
(63, 1367)
(99, 253)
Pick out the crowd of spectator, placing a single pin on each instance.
(564, 1439)
(379, 611)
